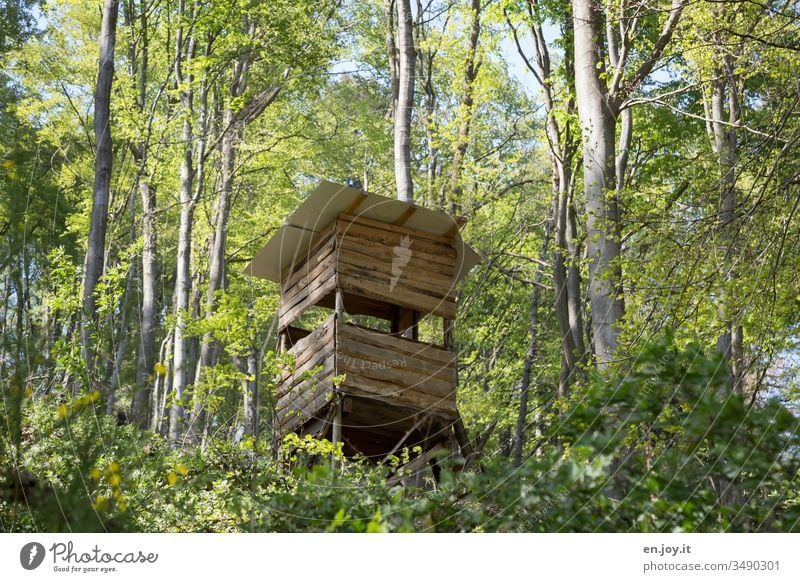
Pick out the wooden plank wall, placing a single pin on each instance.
(299, 399)
(308, 281)
(397, 371)
(395, 264)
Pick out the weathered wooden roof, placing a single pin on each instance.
(293, 239)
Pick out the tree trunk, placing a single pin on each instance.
(471, 66)
(216, 263)
(93, 267)
(232, 125)
(563, 147)
(569, 348)
(405, 102)
(574, 303)
(183, 290)
(188, 200)
(147, 325)
(122, 334)
(533, 349)
(426, 80)
(391, 52)
(148, 309)
(161, 385)
(251, 417)
(598, 124)
(725, 116)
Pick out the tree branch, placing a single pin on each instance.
(658, 50)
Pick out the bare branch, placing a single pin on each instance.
(658, 50)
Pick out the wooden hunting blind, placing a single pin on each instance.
(360, 254)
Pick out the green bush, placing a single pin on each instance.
(662, 447)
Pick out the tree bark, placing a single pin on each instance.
(182, 293)
(184, 54)
(471, 66)
(391, 53)
(216, 261)
(251, 416)
(405, 102)
(148, 309)
(598, 108)
(426, 58)
(725, 117)
(598, 124)
(147, 325)
(93, 267)
(232, 125)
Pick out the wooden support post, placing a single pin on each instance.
(407, 323)
(336, 430)
(282, 341)
(339, 304)
(448, 330)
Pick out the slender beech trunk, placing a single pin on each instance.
(574, 301)
(623, 148)
(533, 348)
(563, 145)
(122, 333)
(4, 343)
(250, 389)
(182, 293)
(93, 266)
(391, 52)
(147, 324)
(216, 263)
(161, 385)
(570, 353)
(232, 125)
(725, 117)
(405, 102)
(471, 66)
(193, 343)
(598, 124)
(148, 309)
(188, 201)
(426, 58)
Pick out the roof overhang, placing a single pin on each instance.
(293, 239)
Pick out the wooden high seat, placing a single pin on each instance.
(359, 254)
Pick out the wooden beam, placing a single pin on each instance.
(448, 332)
(339, 304)
(408, 213)
(421, 234)
(458, 221)
(356, 203)
(422, 418)
(408, 323)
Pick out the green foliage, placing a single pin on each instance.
(659, 448)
